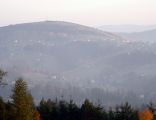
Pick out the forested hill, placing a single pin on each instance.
(61, 58)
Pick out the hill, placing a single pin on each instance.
(60, 58)
(145, 36)
(126, 28)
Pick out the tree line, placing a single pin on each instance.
(21, 107)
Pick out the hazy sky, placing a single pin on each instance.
(87, 12)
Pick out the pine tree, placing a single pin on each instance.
(2, 109)
(126, 112)
(2, 74)
(10, 111)
(23, 101)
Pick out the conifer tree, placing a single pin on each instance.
(2, 74)
(23, 101)
(2, 109)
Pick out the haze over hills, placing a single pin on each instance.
(133, 33)
(60, 58)
(145, 36)
(126, 28)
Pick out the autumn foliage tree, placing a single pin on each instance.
(36, 115)
(146, 115)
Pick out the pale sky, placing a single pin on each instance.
(86, 12)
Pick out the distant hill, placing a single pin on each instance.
(145, 36)
(126, 28)
(65, 59)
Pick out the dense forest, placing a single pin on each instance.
(21, 106)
